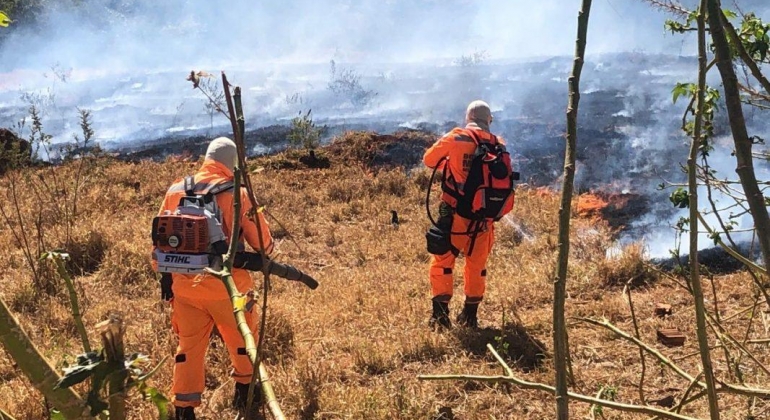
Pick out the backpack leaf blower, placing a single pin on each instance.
(252, 261)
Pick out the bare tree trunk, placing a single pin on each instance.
(112, 332)
(36, 368)
(561, 348)
(259, 373)
(743, 143)
(237, 121)
(750, 63)
(692, 167)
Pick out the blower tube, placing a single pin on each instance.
(252, 261)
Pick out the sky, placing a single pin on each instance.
(146, 34)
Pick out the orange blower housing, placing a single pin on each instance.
(181, 233)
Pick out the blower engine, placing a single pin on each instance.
(190, 239)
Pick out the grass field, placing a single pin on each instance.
(352, 349)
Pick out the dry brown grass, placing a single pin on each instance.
(352, 348)
(627, 266)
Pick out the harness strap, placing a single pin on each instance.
(476, 227)
(215, 188)
(189, 185)
(446, 177)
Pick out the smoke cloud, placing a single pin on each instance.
(396, 63)
(145, 34)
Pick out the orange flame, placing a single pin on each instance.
(590, 206)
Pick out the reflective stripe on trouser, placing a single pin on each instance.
(474, 273)
(192, 321)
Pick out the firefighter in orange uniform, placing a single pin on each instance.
(456, 149)
(201, 301)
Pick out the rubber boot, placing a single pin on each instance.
(467, 317)
(440, 317)
(241, 396)
(184, 413)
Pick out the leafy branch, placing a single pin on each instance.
(304, 132)
(5, 21)
(110, 372)
(37, 369)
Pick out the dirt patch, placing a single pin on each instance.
(356, 148)
(403, 148)
(293, 159)
(514, 344)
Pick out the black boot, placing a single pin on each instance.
(184, 413)
(468, 317)
(440, 317)
(241, 396)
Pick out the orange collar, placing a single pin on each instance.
(213, 167)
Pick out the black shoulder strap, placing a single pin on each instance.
(213, 189)
(220, 188)
(208, 191)
(189, 185)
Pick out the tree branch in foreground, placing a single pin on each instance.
(36, 368)
(510, 378)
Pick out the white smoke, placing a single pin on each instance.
(146, 34)
(422, 60)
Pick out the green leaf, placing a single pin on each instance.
(5, 20)
(682, 89)
(676, 27)
(715, 237)
(729, 13)
(159, 400)
(86, 364)
(680, 198)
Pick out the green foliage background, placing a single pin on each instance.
(23, 10)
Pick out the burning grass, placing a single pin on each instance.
(353, 347)
(617, 209)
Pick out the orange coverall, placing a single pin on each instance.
(201, 301)
(459, 147)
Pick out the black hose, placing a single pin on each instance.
(252, 261)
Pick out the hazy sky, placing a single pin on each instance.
(171, 33)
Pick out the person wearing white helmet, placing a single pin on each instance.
(454, 153)
(200, 301)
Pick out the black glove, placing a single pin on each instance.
(165, 287)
